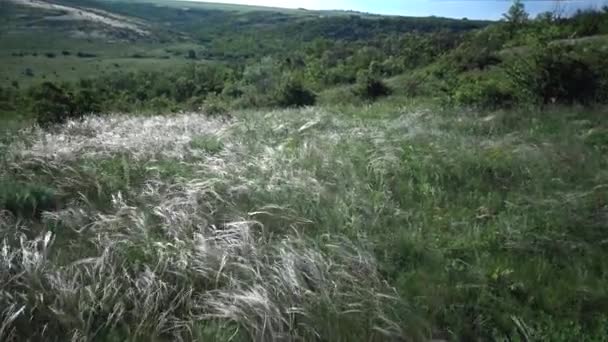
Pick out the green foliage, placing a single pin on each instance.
(486, 91)
(52, 104)
(292, 93)
(215, 105)
(264, 84)
(26, 200)
(435, 61)
(209, 144)
(370, 87)
(552, 74)
(516, 15)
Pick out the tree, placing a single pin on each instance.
(516, 16)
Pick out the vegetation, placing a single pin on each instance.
(341, 177)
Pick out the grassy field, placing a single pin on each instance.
(53, 58)
(384, 222)
(37, 48)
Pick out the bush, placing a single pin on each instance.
(86, 55)
(292, 93)
(484, 92)
(85, 102)
(369, 87)
(213, 105)
(553, 75)
(53, 104)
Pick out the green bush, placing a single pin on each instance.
(552, 74)
(484, 92)
(85, 101)
(214, 105)
(53, 104)
(292, 93)
(369, 87)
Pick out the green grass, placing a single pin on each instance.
(108, 58)
(484, 225)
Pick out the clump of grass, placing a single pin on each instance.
(167, 273)
(27, 200)
(209, 144)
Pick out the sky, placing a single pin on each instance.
(472, 9)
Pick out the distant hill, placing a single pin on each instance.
(177, 20)
(69, 39)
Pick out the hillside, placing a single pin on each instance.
(174, 171)
(158, 35)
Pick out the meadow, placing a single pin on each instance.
(395, 221)
(301, 176)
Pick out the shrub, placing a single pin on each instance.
(85, 55)
(214, 105)
(369, 87)
(50, 55)
(485, 92)
(51, 104)
(85, 101)
(553, 75)
(54, 104)
(292, 93)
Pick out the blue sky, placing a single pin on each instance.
(473, 9)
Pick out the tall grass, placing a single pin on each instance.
(381, 222)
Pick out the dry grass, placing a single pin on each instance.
(335, 224)
(178, 259)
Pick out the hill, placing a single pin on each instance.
(44, 38)
(255, 174)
